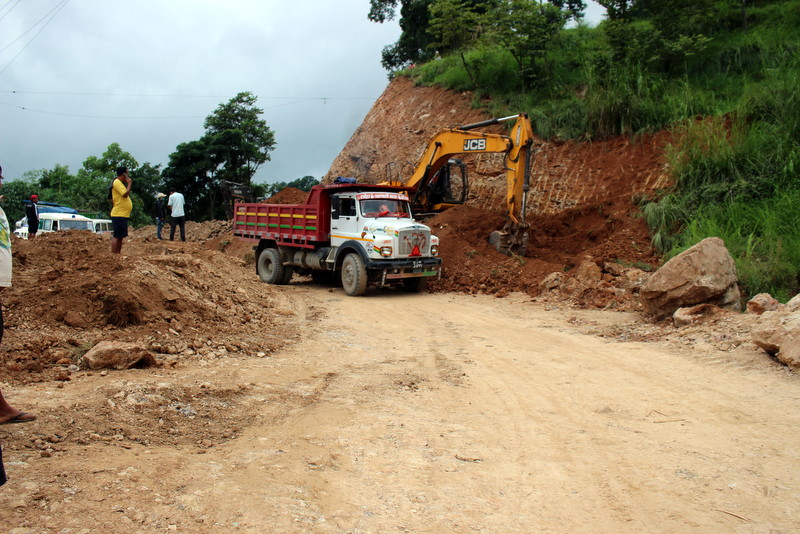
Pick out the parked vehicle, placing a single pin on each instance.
(363, 232)
(53, 222)
(102, 226)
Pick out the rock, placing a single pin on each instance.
(75, 319)
(588, 271)
(633, 278)
(696, 314)
(614, 268)
(794, 304)
(552, 281)
(761, 303)
(778, 333)
(704, 273)
(117, 355)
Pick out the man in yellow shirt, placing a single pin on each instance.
(121, 212)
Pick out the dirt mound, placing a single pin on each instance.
(288, 195)
(557, 244)
(175, 298)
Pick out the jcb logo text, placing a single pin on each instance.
(474, 144)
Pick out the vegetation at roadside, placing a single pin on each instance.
(723, 75)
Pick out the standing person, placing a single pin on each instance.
(175, 203)
(7, 413)
(121, 212)
(32, 212)
(161, 214)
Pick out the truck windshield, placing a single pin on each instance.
(385, 208)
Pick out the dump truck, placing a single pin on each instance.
(364, 233)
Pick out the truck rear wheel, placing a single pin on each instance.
(270, 269)
(354, 275)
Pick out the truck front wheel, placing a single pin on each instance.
(354, 275)
(270, 269)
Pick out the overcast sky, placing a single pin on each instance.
(78, 75)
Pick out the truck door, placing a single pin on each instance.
(345, 220)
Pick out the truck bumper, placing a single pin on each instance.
(410, 268)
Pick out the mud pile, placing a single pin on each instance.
(70, 292)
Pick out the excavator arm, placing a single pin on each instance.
(433, 187)
(513, 237)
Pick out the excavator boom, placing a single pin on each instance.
(434, 188)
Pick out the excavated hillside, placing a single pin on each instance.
(582, 206)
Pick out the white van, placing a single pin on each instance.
(102, 226)
(53, 222)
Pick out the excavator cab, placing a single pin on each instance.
(447, 187)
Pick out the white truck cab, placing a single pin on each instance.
(381, 222)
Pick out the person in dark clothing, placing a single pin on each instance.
(32, 213)
(161, 213)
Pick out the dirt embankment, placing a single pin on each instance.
(177, 299)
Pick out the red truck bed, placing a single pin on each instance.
(298, 224)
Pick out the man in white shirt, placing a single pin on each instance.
(175, 204)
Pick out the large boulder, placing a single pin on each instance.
(793, 304)
(117, 355)
(705, 273)
(778, 333)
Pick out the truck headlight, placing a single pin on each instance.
(434, 250)
(386, 252)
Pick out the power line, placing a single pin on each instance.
(57, 10)
(75, 115)
(167, 95)
(163, 117)
(11, 9)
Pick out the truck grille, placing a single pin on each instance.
(409, 239)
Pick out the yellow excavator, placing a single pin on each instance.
(439, 181)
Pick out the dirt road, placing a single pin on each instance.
(416, 413)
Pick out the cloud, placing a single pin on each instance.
(146, 73)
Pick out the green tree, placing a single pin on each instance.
(236, 143)
(456, 27)
(241, 141)
(413, 46)
(416, 38)
(661, 35)
(303, 184)
(574, 8)
(191, 171)
(528, 30)
(14, 194)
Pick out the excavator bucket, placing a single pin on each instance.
(512, 239)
